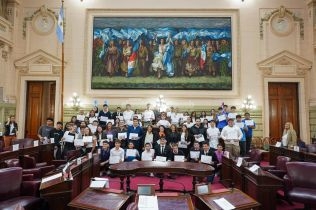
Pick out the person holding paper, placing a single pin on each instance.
(173, 136)
(131, 154)
(92, 117)
(93, 126)
(250, 125)
(80, 116)
(104, 115)
(67, 141)
(89, 140)
(111, 133)
(117, 114)
(117, 153)
(104, 156)
(194, 154)
(44, 130)
(122, 133)
(244, 129)
(135, 134)
(221, 117)
(232, 113)
(213, 134)
(163, 149)
(205, 123)
(186, 139)
(188, 123)
(148, 153)
(289, 138)
(150, 137)
(198, 131)
(57, 134)
(148, 115)
(176, 152)
(208, 156)
(10, 131)
(128, 115)
(99, 135)
(163, 121)
(74, 120)
(231, 135)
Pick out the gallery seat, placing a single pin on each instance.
(15, 193)
(279, 169)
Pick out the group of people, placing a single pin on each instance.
(166, 56)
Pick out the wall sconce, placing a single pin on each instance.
(75, 101)
(161, 104)
(248, 103)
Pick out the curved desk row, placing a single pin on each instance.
(126, 169)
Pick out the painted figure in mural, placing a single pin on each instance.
(127, 51)
(177, 58)
(168, 57)
(192, 63)
(185, 53)
(157, 64)
(223, 65)
(112, 59)
(209, 61)
(142, 58)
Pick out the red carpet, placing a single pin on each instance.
(185, 182)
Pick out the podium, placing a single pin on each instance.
(226, 171)
(262, 186)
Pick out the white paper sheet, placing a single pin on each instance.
(52, 140)
(78, 143)
(52, 177)
(130, 152)
(147, 156)
(133, 136)
(69, 138)
(109, 137)
(35, 143)
(179, 158)
(114, 159)
(103, 118)
(221, 117)
(15, 147)
(224, 204)
(254, 168)
(80, 117)
(249, 122)
(122, 135)
(146, 202)
(110, 120)
(87, 139)
(278, 144)
(182, 144)
(194, 154)
(199, 138)
(239, 161)
(206, 159)
(240, 124)
(161, 158)
(232, 115)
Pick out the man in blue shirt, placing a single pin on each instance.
(250, 125)
(134, 134)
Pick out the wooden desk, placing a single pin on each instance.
(226, 171)
(262, 186)
(237, 198)
(126, 169)
(238, 176)
(294, 155)
(100, 200)
(58, 193)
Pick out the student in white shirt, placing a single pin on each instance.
(128, 115)
(148, 153)
(231, 135)
(131, 153)
(213, 134)
(148, 115)
(117, 153)
(163, 121)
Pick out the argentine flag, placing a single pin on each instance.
(60, 25)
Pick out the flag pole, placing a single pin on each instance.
(62, 69)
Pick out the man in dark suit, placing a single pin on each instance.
(175, 151)
(117, 113)
(163, 149)
(208, 152)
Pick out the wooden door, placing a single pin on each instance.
(283, 107)
(40, 104)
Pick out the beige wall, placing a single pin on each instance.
(251, 49)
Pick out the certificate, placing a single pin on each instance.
(278, 144)
(78, 143)
(199, 138)
(110, 120)
(69, 138)
(161, 158)
(209, 118)
(80, 117)
(254, 168)
(103, 118)
(206, 159)
(120, 117)
(122, 135)
(182, 144)
(114, 159)
(131, 153)
(221, 117)
(240, 124)
(133, 136)
(87, 139)
(179, 158)
(35, 143)
(239, 161)
(194, 154)
(180, 115)
(232, 115)
(146, 156)
(249, 122)
(139, 116)
(185, 118)
(109, 137)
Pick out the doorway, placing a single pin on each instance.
(283, 107)
(40, 104)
